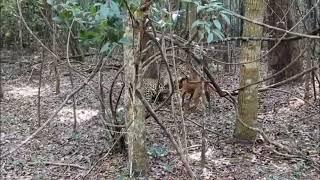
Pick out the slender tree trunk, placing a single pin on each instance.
(311, 24)
(1, 89)
(49, 16)
(55, 61)
(248, 97)
(192, 17)
(135, 115)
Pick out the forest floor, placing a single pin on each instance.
(58, 152)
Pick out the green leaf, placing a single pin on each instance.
(108, 10)
(198, 23)
(50, 2)
(57, 19)
(158, 151)
(106, 47)
(167, 168)
(226, 12)
(210, 37)
(207, 28)
(226, 18)
(218, 33)
(188, 1)
(125, 40)
(200, 8)
(217, 23)
(65, 15)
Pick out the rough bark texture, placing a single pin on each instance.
(280, 13)
(248, 97)
(135, 111)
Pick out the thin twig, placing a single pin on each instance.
(51, 118)
(276, 28)
(74, 105)
(168, 133)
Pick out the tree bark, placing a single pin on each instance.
(248, 97)
(135, 110)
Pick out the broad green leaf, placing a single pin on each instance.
(50, 2)
(217, 23)
(197, 23)
(106, 47)
(207, 28)
(57, 19)
(188, 1)
(200, 8)
(108, 10)
(210, 37)
(218, 33)
(226, 11)
(125, 40)
(226, 18)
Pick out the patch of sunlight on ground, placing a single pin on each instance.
(66, 115)
(27, 91)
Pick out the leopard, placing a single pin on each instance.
(152, 92)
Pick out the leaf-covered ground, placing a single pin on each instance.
(58, 152)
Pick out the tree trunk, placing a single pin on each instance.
(192, 17)
(135, 115)
(1, 90)
(248, 97)
(281, 14)
(49, 15)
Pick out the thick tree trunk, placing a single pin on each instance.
(248, 97)
(280, 13)
(135, 115)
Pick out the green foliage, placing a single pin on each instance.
(211, 17)
(10, 21)
(168, 168)
(98, 24)
(157, 151)
(121, 177)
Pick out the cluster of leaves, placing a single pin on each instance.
(9, 17)
(211, 15)
(7, 20)
(98, 24)
(158, 151)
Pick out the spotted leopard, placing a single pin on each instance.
(151, 94)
